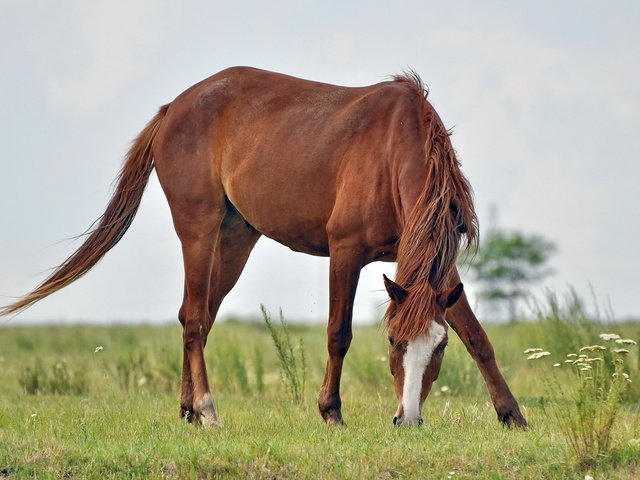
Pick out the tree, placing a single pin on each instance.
(506, 265)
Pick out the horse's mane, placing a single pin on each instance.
(430, 240)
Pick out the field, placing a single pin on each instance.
(94, 402)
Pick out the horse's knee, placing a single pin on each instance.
(192, 335)
(338, 344)
(483, 351)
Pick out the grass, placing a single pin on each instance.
(124, 422)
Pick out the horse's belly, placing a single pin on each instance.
(289, 220)
(299, 235)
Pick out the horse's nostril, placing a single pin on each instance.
(395, 420)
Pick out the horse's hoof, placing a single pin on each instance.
(202, 419)
(333, 417)
(210, 420)
(513, 419)
(208, 417)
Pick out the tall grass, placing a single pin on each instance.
(293, 367)
(563, 324)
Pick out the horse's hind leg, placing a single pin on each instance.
(235, 241)
(197, 221)
(466, 325)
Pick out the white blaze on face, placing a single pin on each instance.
(415, 361)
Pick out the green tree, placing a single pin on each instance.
(506, 265)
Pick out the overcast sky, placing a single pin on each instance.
(544, 99)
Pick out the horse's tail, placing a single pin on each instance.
(111, 226)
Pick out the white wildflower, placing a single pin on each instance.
(98, 349)
(626, 341)
(593, 348)
(622, 351)
(609, 336)
(557, 364)
(572, 355)
(537, 355)
(444, 389)
(532, 350)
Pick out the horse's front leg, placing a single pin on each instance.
(466, 325)
(345, 265)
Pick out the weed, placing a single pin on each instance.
(239, 370)
(59, 380)
(566, 324)
(258, 369)
(590, 399)
(293, 368)
(144, 370)
(229, 368)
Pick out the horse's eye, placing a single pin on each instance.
(391, 341)
(440, 348)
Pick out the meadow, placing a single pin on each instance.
(101, 402)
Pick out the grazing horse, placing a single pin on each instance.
(356, 174)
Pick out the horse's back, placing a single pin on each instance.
(292, 154)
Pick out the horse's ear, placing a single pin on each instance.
(448, 298)
(395, 291)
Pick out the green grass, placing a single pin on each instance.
(123, 422)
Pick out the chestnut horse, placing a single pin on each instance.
(356, 174)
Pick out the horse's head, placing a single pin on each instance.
(415, 362)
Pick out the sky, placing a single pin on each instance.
(543, 98)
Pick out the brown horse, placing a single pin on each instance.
(356, 174)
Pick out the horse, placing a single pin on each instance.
(358, 174)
